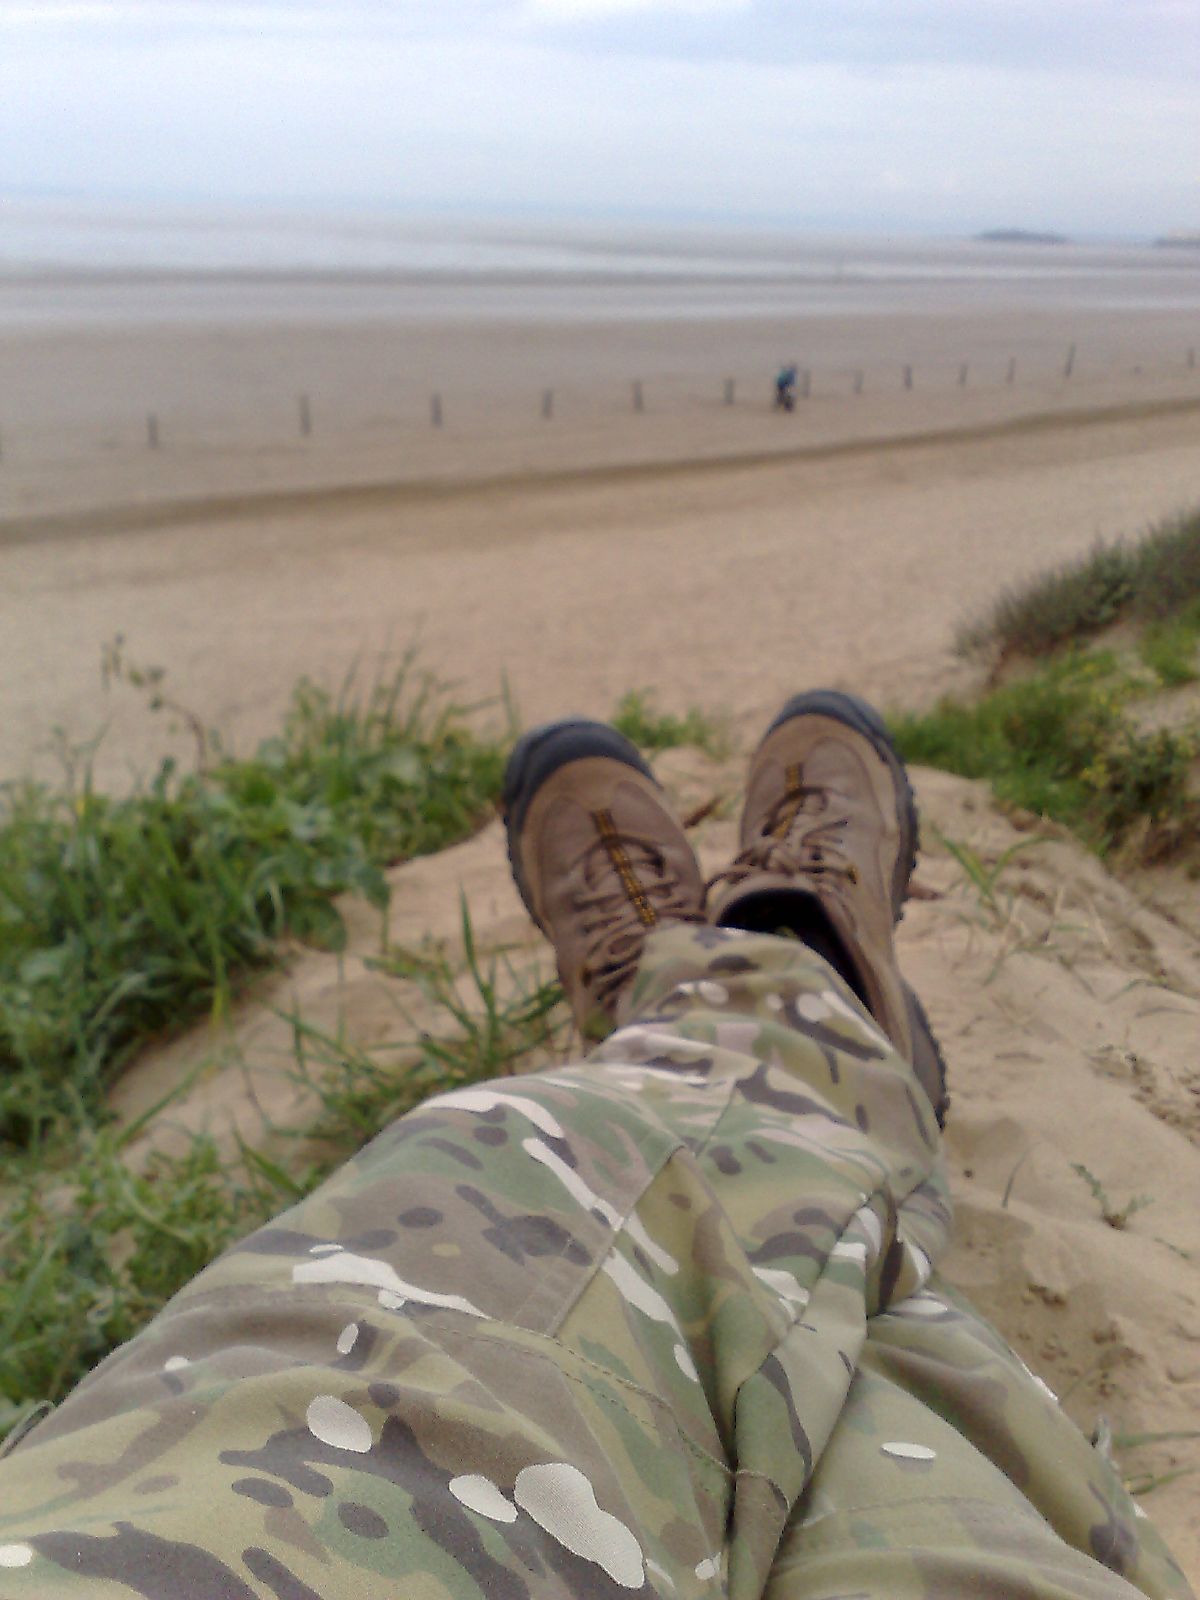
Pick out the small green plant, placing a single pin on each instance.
(1141, 1481)
(1169, 649)
(1147, 580)
(1067, 604)
(1012, 1177)
(640, 720)
(93, 1249)
(1116, 1217)
(116, 667)
(1060, 743)
(120, 918)
(490, 1021)
(1000, 909)
(985, 879)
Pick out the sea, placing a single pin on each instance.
(127, 262)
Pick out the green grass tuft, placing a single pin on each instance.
(120, 918)
(1170, 649)
(93, 1249)
(1148, 580)
(1061, 744)
(640, 720)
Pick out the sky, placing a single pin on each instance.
(935, 116)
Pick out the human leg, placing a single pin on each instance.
(951, 1470)
(376, 1386)
(517, 1344)
(602, 1330)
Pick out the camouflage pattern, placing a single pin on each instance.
(665, 1323)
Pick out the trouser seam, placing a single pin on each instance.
(652, 1178)
(652, 1399)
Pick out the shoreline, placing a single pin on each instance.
(147, 516)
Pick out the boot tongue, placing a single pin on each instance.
(799, 913)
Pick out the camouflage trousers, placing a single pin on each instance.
(666, 1323)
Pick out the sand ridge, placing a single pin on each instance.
(1068, 1012)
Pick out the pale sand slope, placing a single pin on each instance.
(1069, 1016)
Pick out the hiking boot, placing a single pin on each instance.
(598, 858)
(828, 841)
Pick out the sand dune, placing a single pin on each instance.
(1068, 1013)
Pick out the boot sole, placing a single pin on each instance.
(537, 756)
(929, 1064)
(863, 718)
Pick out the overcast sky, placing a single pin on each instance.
(934, 115)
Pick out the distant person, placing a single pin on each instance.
(785, 389)
(666, 1322)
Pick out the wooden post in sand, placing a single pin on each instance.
(1012, 369)
(547, 403)
(638, 399)
(1069, 365)
(152, 431)
(305, 417)
(729, 388)
(908, 377)
(858, 381)
(962, 376)
(435, 411)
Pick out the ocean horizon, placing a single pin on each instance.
(70, 257)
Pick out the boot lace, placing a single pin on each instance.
(798, 838)
(626, 902)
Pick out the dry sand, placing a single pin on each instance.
(1069, 1011)
(722, 581)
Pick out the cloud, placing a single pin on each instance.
(1152, 37)
(590, 10)
(115, 19)
(818, 112)
(115, 14)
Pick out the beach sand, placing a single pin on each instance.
(721, 553)
(724, 557)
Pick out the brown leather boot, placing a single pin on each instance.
(828, 842)
(598, 857)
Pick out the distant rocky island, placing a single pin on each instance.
(1178, 241)
(1019, 236)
